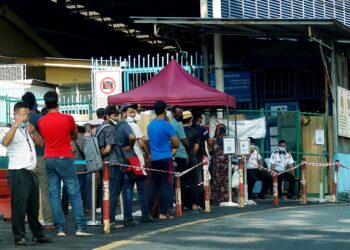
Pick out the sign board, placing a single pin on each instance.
(319, 137)
(3, 131)
(343, 112)
(255, 128)
(106, 83)
(229, 145)
(236, 83)
(244, 147)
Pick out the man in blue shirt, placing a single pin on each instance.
(162, 138)
(181, 155)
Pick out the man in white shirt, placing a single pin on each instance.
(23, 183)
(255, 171)
(279, 160)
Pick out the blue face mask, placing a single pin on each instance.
(222, 131)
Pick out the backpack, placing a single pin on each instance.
(92, 152)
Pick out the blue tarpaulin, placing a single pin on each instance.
(344, 173)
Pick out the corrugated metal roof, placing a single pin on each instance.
(285, 28)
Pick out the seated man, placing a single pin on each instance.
(255, 171)
(279, 160)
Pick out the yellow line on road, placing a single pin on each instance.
(120, 243)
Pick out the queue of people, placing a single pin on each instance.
(49, 150)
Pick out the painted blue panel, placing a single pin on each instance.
(287, 9)
(250, 9)
(237, 83)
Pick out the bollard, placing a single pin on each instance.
(93, 221)
(241, 184)
(178, 196)
(106, 222)
(335, 181)
(275, 189)
(206, 184)
(303, 182)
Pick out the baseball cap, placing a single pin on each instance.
(186, 115)
(128, 105)
(112, 109)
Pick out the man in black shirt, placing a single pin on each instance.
(190, 180)
(203, 134)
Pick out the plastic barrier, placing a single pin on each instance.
(303, 182)
(335, 181)
(5, 196)
(106, 222)
(241, 184)
(206, 184)
(178, 196)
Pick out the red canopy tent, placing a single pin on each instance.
(175, 86)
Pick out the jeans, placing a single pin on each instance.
(58, 169)
(82, 187)
(44, 191)
(24, 189)
(161, 183)
(263, 175)
(115, 187)
(128, 193)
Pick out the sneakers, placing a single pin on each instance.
(130, 222)
(61, 233)
(82, 233)
(147, 219)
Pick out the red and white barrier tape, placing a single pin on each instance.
(190, 169)
(343, 166)
(162, 171)
(313, 164)
(290, 169)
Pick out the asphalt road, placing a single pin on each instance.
(290, 226)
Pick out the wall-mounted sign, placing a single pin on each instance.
(343, 112)
(106, 83)
(229, 145)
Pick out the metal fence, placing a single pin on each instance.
(138, 70)
(79, 107)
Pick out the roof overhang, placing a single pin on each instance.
(264, 28)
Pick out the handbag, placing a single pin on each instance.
(135, 174)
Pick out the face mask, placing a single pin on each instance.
(23, 124)
(179, 118)
(168, 113)
(113, 121)
(137, 117)
(129, 119)
(282, 149)
(222, 131)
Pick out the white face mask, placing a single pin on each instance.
(282, 148)
(113, 121)
(137, 117)
(129, 119)
(169, 114)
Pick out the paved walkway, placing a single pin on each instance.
(289, 226)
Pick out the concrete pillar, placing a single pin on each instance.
(204, 14)
(218, 52)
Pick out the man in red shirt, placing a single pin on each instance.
(57, 130)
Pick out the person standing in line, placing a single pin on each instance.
(40, 171)
(181, 159)
(191, 179)
(128, 114)
(58, 129)
(23, 183)
(203, 134)
(162, 139)
(107, 141)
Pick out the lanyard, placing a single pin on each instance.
(25, 134)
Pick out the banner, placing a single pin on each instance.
(255, 128)
(106, 83)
